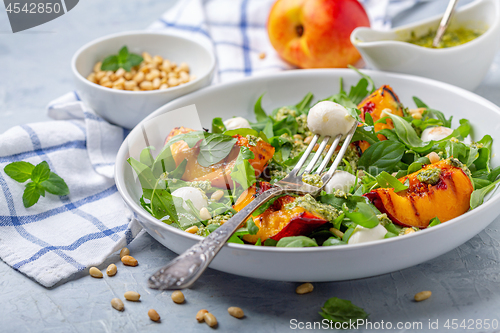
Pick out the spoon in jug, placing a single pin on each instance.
(445, 21)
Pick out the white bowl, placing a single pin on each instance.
(128, 108)
(319, 263)
(464, 65)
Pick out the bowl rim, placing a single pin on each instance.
(137, 209)
(80, 77)
(470, 6)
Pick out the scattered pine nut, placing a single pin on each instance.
(423, 295)
(236, 312)
(262, 55)
(124, 252)
(200, 315)
(304, 288)
(117, 304)
(129, 261)
(192, 230)
(210, 319)
(217, 195)
(178, 297)
(111, 270)
(409, 231)
(95, 272)
(205, 214)
(153, 315)
(416, 116)
(132, 296)
(433, 157)
(307, 140)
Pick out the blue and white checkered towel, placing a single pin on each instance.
(62, 235)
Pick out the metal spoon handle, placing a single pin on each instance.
(184, 270)
(445, 21)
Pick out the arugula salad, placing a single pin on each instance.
(405, 170)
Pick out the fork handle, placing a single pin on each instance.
(184, 270)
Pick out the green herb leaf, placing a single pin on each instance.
(260, 114)
(252, 228)
(243, 172)
(340, 310)
(123, 59)
(270, 242)
(367, 77)
(364, 215)
(435, 221)
(134, 59)
(386, 180)
(303, 105)
(296, 241)
(146, 157)
(215, 148)
(218, 125)
(407, 134)
(268, 128)
(55, 185)
(332, 241)
(145, 175)
(40, 172)
(477, 197)
(382, 155)
(110, 63)
(258, 242)
(32, 193)
(179, 171)
(19, 171)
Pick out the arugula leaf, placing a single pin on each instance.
(382, 156)
(215, 148)
(364, 215)
(338, 202)
(365, 133)
(268, 128)
(407, 134)
(146, 157)
(32, 193)
(162, 202)
(242, 132)
(260, 114)
(123, 59)
(386, 180)
(435, 113)
(333, 241)
(480, 183)
(359, 91)
(435, 221)
(340, 310)
(296, 241)
(367, 77)
(40, 172)
(218, 126)
(270, 242)
(477, 197)
(55, 185)
(252, 228)
(145, 175)
(179, 171)
(19, 171)
(258, 242)
(303, 105)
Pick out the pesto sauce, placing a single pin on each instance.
(310, 204)
(429, 176)
(203, 185)
(252, 140)
(452, 37)
(312, 179)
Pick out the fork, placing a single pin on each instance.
(184, 270)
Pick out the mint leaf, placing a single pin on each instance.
(134, 59)
(40, 172)
(110, 63)
(123, 59)
(55, 185)
(32, 193)
(341, 310)
(19, 171)
(123, 54)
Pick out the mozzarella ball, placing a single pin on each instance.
(329, 118)
(236, 122)
(341, 180)
(363, 235)
(194, 194)
(435, 133)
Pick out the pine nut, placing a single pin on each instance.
(172, 75)
(117, 304)
(132, 296)
(107, 84)
(103, 80)
(192, 230)
(172, 82)
(130, 85)
(184, 67)
(178, 297)
(236, 312)
(128, 76)
(205, 214)
(423, 295)
(97, 67)
(304, 288)
(184, 77)
(298, 137)
(416, 116)
(200, 315)
(139, 77)
(163, 86)
(153, 75)
(262, 55)
(92, 78)
(156, 83)
(158, 59)
(147, 57)
(146, 85)
(124, 252)
(433, 157)
(111, 270)
(153, 315)
(308, 140)
(95, 272)
(210, 319)
(337, 232)
(217, 195)
(409, 231)
(129, 261)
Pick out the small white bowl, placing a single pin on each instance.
(128, 108)
(464, 65)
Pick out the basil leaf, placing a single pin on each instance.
(243, 172)
(340, 310)
(215, 148)
(32, 193)
(332, 241)
(145, 175)
(365, 133)
(55, 185)
(40, 172)
(162, 202)
(347, 234)
(270, 242)
(338, 202)
(435, 221)
(382, 155)
(252, 228)
(260, 114)
(110, 63)
(407, 134)
(296, 241)
(392, 228)
(242, 132)
(477, 197)
(218, 125)
(19, 171)
(364, 215)
(179, 171)
(262, 208)
(303, 105)
(386, 180)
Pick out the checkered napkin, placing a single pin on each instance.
(62, 235)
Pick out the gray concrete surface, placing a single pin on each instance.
(34, 69)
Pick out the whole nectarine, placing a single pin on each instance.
(315, 33)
